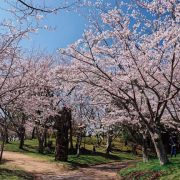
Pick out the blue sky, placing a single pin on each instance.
(69, 27)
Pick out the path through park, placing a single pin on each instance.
(44, 170)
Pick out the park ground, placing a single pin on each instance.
(29, 164)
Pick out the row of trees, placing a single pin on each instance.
(31, 95)
(129, 63)
(123, 73)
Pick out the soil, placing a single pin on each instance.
(45, 170)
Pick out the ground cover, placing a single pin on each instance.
(152, 170)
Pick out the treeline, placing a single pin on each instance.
(123, 72)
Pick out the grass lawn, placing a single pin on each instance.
(87, 158)
(152, 170)
(7, 173)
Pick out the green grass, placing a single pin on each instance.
(99, 158)
(87, 158)
(141, 170)
(7, 173)
(152, 169)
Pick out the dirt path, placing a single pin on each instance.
(44, 170)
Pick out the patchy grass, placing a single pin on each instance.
(152, 170)
(7, 173)
(30, 146)
(98, 158)
(86, 158)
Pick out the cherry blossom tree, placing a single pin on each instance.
(132, 56)
(12, 76)
(29, 90)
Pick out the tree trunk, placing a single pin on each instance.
(134, 146)
(62, 145)
(41, 133)
(40, 136)
(145, 150)
(145, 154)
(21, 137)
(45, 137)
(71, 135)
(62, 142)
(6, 135)
(159, 147)
(2, 146)
(33, 133)
(41, 145)
(78, 143)
(22, 132)
(109, 142)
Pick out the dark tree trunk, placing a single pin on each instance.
(33, 133)
(159, 147)
(145, 150)
(41, 133)
(62, 126)
(21, 134)
(71, 135)
(2, 146)
(62, 145)
(109, 142)
(45, 137)
(134, 146)
(78, 143)
(6, 135)
(41, 145)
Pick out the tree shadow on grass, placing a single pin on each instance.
(30, 148)
(34, 150)
(10, 174)
(89, 152)
(88, 158)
